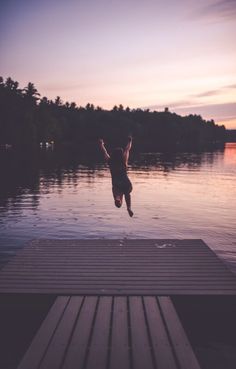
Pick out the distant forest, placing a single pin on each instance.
(27, 119)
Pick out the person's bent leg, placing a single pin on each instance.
(118, 197)
(128, 204)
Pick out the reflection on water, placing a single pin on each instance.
(175, 195)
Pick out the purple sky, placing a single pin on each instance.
(151, 53)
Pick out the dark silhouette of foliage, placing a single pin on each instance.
(31, 92)
(26, 120)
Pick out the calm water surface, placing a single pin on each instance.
(180, 195)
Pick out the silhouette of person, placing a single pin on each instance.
(118, 162)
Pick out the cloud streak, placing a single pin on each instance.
(223, 9)
(231, 86)
(216, 91)
(208, 93)
(192, 100)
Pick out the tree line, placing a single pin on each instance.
(27, 119)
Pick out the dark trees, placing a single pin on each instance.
(26, 120)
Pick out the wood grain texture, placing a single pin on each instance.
(88, 332)
(117, 267)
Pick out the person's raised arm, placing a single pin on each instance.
(102, 147)
(127, 150)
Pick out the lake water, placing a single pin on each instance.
(175, 195)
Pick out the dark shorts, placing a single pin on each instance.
(122, 185)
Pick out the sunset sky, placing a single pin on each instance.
(139, 53)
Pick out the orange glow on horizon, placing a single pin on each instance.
(229, 124)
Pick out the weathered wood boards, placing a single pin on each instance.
(110, 332)
(117, 267)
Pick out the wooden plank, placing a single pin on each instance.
(119, 268)
(125, 274)
(152, 271)
(39, 345)
(120, 348)
(93, 244)
(98, 350)
(119, 290)
(54, 356)
(118, 265)
(116, 250)
(180, 342)
(162, 349)
(163, 291)
(154, 283)
(113, 263)
(115, 258)
(141, 350)
(175, 264)
(76, 353)
(93, 248)
(151, 285)
(110, 242)
(39, 276)
(159, 284)
(116, 261)
(126, 292)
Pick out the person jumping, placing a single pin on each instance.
(118, 163)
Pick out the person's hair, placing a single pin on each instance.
(117, 156)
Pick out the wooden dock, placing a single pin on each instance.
(113, 305)
(111, 332)
(117, 267)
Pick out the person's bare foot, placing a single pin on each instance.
(130, 212)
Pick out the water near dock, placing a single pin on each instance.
(176, 195)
